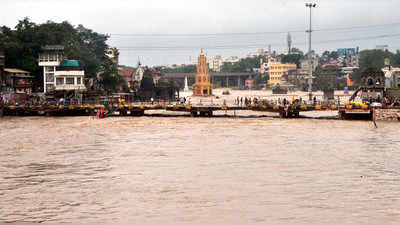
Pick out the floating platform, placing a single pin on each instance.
(288, 111)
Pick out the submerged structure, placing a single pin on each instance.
(202, 86)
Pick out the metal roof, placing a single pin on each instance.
(10, 70)
(69, 63)
(22, 76)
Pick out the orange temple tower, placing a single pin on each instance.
(202, 86)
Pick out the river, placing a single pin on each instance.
(177, 169)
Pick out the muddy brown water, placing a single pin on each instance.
(171, 170)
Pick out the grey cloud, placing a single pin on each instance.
(210, 16)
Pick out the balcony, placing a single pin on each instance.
(49, 63)
(59, 73)
(70, 87)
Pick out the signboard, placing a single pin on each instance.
(346, 51)
(382, 46)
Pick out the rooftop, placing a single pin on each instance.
(69, 63)
(53, 47)
(23, 76)
(11, 70)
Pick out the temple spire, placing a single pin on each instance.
(202, 86)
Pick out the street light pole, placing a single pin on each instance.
(310, 62)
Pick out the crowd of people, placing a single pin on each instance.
(12, 99)
(280, 101)
(33, 99)
(390, 101)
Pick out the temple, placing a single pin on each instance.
(202, 86)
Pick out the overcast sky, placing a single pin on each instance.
(221, 27)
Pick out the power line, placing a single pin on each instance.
(244, 46)
(208, 34)
(250, 33)
(358, 27)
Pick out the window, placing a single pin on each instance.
(60, 80)
(78, 80)
(49, 87)
(70, 81)
(49, 77)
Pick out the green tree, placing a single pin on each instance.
(297, 51)
(110, 80)
(292, 58)
(333, 55)
(147, 88)
(23, 45)
(179, 69)
(244, 65)
(374, 59)
(260, 80)
(328, 78)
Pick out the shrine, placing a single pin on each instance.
(202, 86)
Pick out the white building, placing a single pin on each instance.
(215, 64)
(60, 74)
(49, 59)
(305, 65)
(69, 76)
(232, 59)
(394, 78)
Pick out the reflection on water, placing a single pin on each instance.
(197, 170)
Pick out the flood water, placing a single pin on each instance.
(173, 170)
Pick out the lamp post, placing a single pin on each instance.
(310, 62)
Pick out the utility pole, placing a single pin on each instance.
(310, 63)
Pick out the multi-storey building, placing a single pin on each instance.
(60, 74)
(69, 76)
(17, 81)
(215, 64)
(277, 70)
(50, 58)
(232, 59)
(305, 64)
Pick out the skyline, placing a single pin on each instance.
(226, 28)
